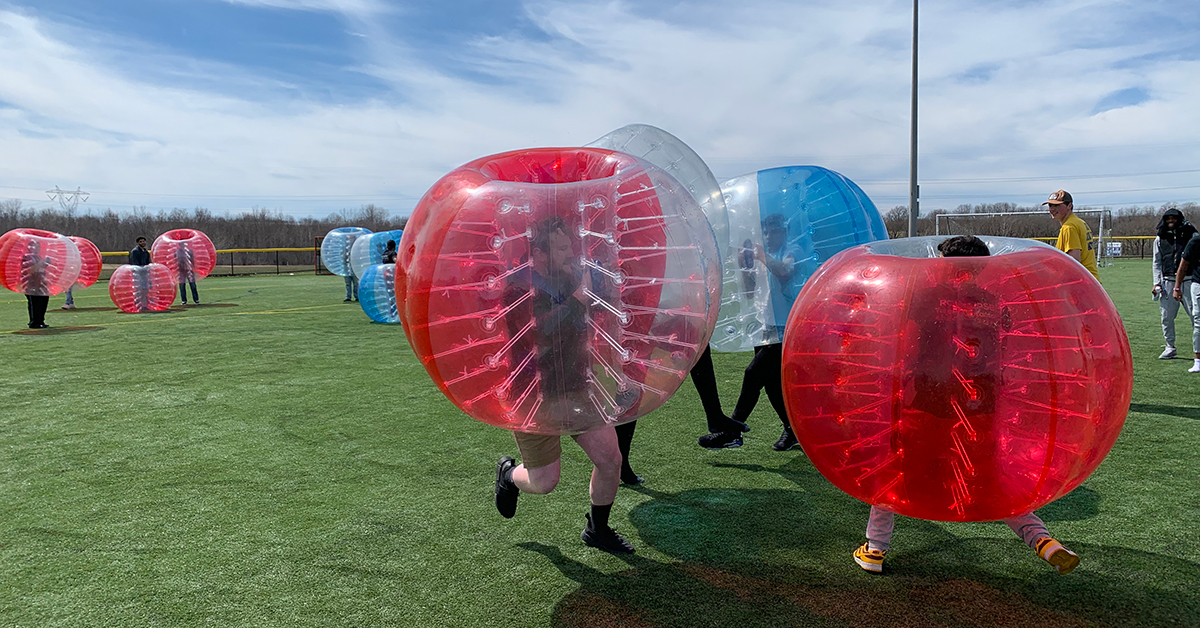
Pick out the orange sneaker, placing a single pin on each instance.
(869, 559)
(1053, 552)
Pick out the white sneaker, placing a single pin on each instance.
(1195, 367)
(1168, 354)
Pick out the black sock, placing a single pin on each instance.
(507, 476)
(600, 516)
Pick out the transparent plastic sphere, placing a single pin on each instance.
(558, 290)
(377, 293)
(791, 219)
(149, 288)
(368, 250)
(90, 262)
(336, 247)
(956, 389)
(187, 253)
(669, 153)
(37, 262)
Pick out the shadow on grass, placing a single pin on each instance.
(1182, 412)
(57, 331)
(87, 309)
(777, 557)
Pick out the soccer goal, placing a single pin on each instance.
(1036, 225)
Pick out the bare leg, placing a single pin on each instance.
(539, 481)
(601, 448)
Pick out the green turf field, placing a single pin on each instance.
(282, 461)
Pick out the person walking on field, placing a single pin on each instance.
(1174, 232)
(1074, 237)
(1190, 264)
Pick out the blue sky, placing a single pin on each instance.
(311, 106)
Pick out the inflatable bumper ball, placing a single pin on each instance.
(187, 253)
(336, 247)
(368, 250)
(558, 290)
(148, 288)
(784, 223)
(90, 262)
(377, 293)
(37, 262)
(956, 389)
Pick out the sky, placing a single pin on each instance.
(314, 106)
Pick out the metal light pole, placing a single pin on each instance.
(914, 208)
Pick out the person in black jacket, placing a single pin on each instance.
(1173, 234)
(139, 256)
(37, 293)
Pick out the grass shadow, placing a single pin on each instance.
(87, 309)
(773, 557)
(57, 331)
(1182, 412)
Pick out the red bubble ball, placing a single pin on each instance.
(188, 253)
(148, 288)
(956, 389)
(90, 261)
(37, 262)
(558, 290)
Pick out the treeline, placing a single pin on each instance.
(1124, 221)
(256, 229)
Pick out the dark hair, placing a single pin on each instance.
(140, 238)
(964, 246)
(774, 221)
(541, 233)
(391, 245)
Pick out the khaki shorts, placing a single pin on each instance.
(539, 450)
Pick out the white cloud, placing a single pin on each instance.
(752, 86)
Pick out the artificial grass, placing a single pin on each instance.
(282, 461)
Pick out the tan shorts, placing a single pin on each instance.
(539, 450)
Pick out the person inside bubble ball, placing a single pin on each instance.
(562, 363)
(932, 395)
(33, 270)
(764, 372)
(351, 279)
(389, 253)
(185, 260)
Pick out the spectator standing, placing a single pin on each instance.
(1173, 234)
(1190, 265)
(140, 255)
(1074, 236)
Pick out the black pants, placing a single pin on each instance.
(764, 371)
(183, 292)
(37, 309)
(705, 380)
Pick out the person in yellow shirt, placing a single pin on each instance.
(1074, 237)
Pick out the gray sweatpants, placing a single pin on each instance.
(879, 528)
(1169, 308)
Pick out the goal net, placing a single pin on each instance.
(1037, 225)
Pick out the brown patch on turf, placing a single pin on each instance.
(57, 331)
(918, 604)
(588, 610)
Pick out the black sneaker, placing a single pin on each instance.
(506, 491)
(606, 539)
(721, 440)
(787, 440)
(630, 478)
